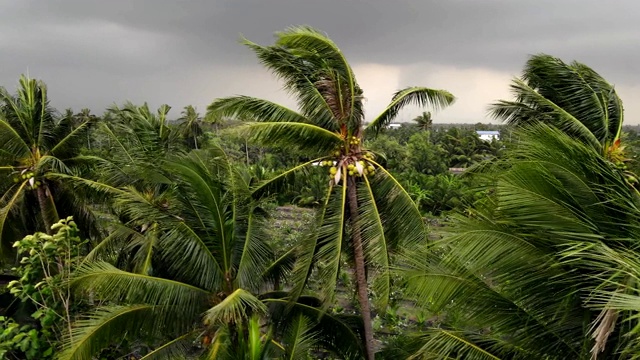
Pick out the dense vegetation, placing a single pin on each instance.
(255, 231)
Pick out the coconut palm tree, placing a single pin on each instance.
(137, 141)
(38, 146)
(197, 271)
(366, 212)
(190, 124)
(424, 121)
(530, 273)
(571, 97)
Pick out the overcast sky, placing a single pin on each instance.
(95, 53)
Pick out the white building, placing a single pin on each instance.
(488, 135)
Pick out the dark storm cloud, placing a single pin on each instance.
(97, 52)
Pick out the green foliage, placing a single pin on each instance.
(190, 263)
(43, 284)
(519, 278)
(442, 193)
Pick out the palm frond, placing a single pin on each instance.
(299, 339)
(419, 96)
(111, 283)
(235, 308)
(8, 205)
(307, 248)
(280, 268)
(64, 143)
(176, 349)
(117, 240)
(76, 181)
(402, 220)
(326, 58)
(571, 97)
(105, 326)
(339, 334)
(248, 108)
(300, 136)
(190, 257)
(254, 252)
(330, 239)
(268, 187)
(550, 111)
(376, 246)
(299, 79)
(446, 344)
(12, 142)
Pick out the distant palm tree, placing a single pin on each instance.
(424, 121)
(84, 115)
(38, 151)
(140, 139)
(365, 208)
(190, 124)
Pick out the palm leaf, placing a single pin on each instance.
(318, 49)
(177, 349)
(11, 141)
(111, 283)
(331, 238)
(337, 333)
(104, 326)
(443, 344)
(235, 308)
(254, 252)
(6, 209)
(401, 217)
(374, 242)
(307, 248)
(299, 339)
(298, 79)
(419, 96)
(304, 137)
(253, 109)
(274, 184)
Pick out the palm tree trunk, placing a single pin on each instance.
(47, 207)
(361, 277)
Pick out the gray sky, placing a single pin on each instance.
(95, 53)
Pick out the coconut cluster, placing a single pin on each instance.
(628, 175)
(355, 166)
(30, 176)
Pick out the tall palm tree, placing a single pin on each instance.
(38, 147)
(424, 121)
(572, 97)
(190, 124)
(198, 272)
(366, 209)
(530, 273)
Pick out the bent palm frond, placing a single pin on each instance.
(419, 96)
